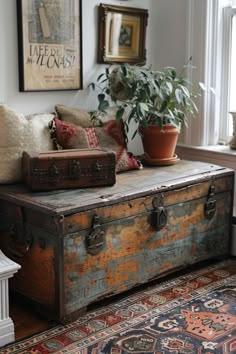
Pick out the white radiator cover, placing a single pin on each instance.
(7, 269)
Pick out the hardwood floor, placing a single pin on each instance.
(26, 321)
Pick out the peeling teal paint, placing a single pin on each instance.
(188, 237)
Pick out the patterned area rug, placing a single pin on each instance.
(193, 314)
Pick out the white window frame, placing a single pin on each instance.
(209, 23)
(228, 13)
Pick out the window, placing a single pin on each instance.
(232, 103)
(212, 44)
(227, 76)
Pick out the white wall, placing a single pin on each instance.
(165, 45)
(32, 102)
(166, 28)
(169, 33)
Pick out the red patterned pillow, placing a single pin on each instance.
(110, 136)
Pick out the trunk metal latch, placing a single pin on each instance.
(158, 217)
(95, 241)
(210, 204)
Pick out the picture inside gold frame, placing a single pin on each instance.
(123, 35)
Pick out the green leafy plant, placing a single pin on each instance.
(145, 96)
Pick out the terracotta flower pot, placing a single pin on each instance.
(159, 143)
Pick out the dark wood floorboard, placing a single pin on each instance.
(26, 321)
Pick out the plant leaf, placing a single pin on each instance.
(100, 76)
(92, 84)
(179, 96)
(119, 113)
(101, 97)
(103, 104)
(144, 107)
(185, 90)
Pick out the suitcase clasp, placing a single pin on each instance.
(95, 240)
(97, 171)
(74, 169)
(53, 171)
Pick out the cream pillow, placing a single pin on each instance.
(19, 133)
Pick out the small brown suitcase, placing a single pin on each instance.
(73, 168)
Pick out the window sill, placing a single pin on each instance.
(218, 154)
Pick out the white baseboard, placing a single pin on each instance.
(7, 334)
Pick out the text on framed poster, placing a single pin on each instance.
(49, 40)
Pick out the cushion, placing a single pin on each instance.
(19, 133)
(81, 117)
(75, 116)
(110, 136)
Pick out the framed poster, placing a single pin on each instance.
(122, 34)
(49, 45)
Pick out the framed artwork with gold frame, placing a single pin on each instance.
(49, 45)
(122, 34)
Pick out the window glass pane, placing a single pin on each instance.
(232, 101)
(233, 67)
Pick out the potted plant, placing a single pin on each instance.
(159, 103)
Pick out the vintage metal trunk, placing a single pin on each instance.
(78, 246)
(73, 168)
